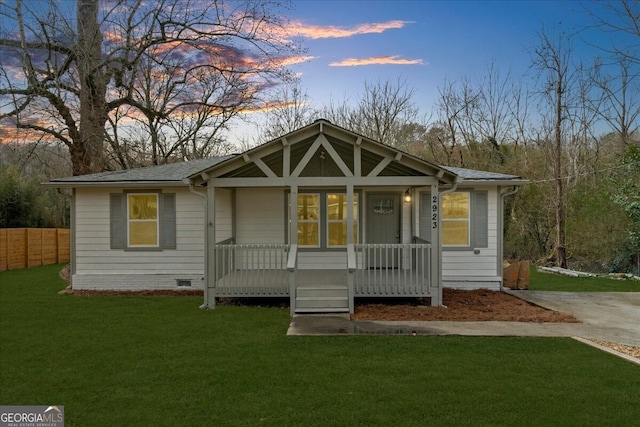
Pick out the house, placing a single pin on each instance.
(321, 215)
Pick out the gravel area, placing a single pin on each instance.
(620, 348)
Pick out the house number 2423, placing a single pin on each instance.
(434, 211)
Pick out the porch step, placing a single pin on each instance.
(322, 299)
(321, 291)
(321, 310)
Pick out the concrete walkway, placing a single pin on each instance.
(607, 316)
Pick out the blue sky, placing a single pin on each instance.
(430, 41)
(422, 43)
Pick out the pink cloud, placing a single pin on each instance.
(300, 29)
(293, 60)
(376, 60)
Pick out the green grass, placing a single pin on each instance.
(160, 361)
(542, 281)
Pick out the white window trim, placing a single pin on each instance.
(157, 221)
(340, 221)
(323, 223)
(467, 221)
(303, 221)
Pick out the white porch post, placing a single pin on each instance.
(293, 240)
(210, 261)
(436, 247)
(293, 214)
(350, 242)
(350, 214)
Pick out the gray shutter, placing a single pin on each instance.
(481, 219)
(425, 216)
(117, 220)
(168, 224)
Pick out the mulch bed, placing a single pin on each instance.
(462, 306)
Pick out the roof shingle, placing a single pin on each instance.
(173, 172)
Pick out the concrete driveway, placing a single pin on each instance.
(608, 316)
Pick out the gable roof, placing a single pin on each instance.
(322, 149)
(169, 174)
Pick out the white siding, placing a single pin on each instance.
(136, 282)
(462, 266)
(99, 266)
(260, 215)
(470, 283)
(224, 214)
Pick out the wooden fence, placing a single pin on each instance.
(32, 247)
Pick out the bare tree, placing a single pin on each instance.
(201, 60)
(191, 119)
(621, 17)
(450, 108)
(582, 149)
(552, 59)
(481, 115)
(290, 110)
(520, 112)
(384, 108)
(496, 119)
(619, 104)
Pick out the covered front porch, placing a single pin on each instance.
(271, 270)
(322, 216)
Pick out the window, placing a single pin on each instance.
(337, 220)
(142, 221)
(464, 219)
(322, 220)
(456, 219)
(309, 220)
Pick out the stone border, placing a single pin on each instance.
(608, 350)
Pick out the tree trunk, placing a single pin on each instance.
(88, 154)
(560, 235)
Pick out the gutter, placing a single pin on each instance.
(447, 191)
(508, 182)
(111, 184)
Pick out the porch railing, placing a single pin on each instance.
(251, 269)
(392, 269)
(244, 270)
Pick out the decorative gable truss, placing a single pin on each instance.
(325, 154)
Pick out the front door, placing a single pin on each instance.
(383, 226)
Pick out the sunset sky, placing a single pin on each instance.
(426, 42)
(421, 43)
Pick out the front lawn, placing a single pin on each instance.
(160, 361)
(543, 281)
